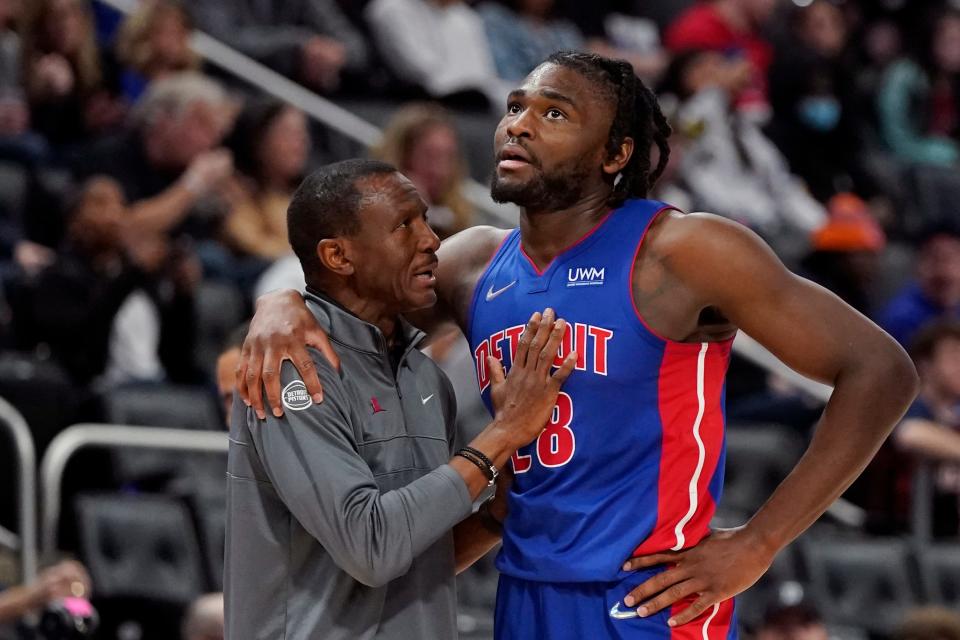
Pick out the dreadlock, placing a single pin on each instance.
(638, 116)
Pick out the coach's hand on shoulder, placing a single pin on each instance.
(524, 398)
(727, 562)
(282, 328)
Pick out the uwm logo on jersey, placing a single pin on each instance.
(585, 276)
(556, 444)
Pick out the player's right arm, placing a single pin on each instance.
(282, 327)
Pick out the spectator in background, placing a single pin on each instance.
(728, 165)
(69, 100)
(614, 29)
(792, 622)
(153, 43)
(816, 121)
(846, 253)
(309, 40)
(169, 158)
(919, 100)
(930, 430)
(929, 623)
(227, 363)
(205, 619)
(118, 303)
(271, 146)
(935, 291)
(522, 33)
(440, 46)
(731, 28)
(422, 142)
(67, 579)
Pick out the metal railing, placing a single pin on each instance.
(81, 436)
(26, 489)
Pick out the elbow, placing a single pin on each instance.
(376, 574)
(900, 380)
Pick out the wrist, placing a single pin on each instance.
(764, 541)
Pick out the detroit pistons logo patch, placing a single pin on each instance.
(295, 396)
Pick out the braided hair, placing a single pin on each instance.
(638, 116)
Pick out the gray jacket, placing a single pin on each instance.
(339, 514)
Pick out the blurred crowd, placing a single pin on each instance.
(143, 193)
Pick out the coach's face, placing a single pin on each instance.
(551, 144)
(393, 256)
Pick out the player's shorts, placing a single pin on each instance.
(528, 610)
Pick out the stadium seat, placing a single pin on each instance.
(759, 457)
(141, 546)
(160, 406)
(940, 573)
(754, 602)
(865, 583)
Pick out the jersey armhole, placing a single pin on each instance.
(477, 288)
(633, 313)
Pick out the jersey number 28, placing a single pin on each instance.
(556, 443)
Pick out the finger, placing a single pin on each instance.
(271, 381)
(657, 584)
(523, 346)
(561, 374)
(319, 341)
(668, 598)
(642, 562)
(549, 353)
(701, 604)
(240, 374)
(496, 370)
(307, 368)
(252, 381)
(540, 338)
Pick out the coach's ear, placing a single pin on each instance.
(615, 163)
(333, 256)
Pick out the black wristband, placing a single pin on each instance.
(487, 472)
(487, 461)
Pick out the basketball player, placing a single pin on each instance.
(631, 464)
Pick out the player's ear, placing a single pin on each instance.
(334, 256)
(615, 162)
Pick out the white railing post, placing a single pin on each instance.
(26, 488)
(80, 436)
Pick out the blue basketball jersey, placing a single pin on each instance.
(631, 461)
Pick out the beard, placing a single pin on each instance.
(543, 192)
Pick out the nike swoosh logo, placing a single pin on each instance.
(622, 615)
(427, 399)
(491, 294)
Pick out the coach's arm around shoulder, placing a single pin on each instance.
(725, 267)
(311, 458)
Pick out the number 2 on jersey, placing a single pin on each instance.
(556, 443)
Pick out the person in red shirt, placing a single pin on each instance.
(732, 27)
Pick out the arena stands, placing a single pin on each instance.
(145, 173)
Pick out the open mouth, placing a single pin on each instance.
(513, 157)
(426, 276)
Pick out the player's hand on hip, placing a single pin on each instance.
(281, 329)
(727, 562)
(524, 398)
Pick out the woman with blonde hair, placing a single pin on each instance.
(62, 72)
(154, 41)
(422, 142)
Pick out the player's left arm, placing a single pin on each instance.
(725, 266)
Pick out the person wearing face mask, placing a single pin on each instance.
(919, 100)
(815, 112)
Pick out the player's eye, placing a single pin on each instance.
(513, 108)
(555, 114)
